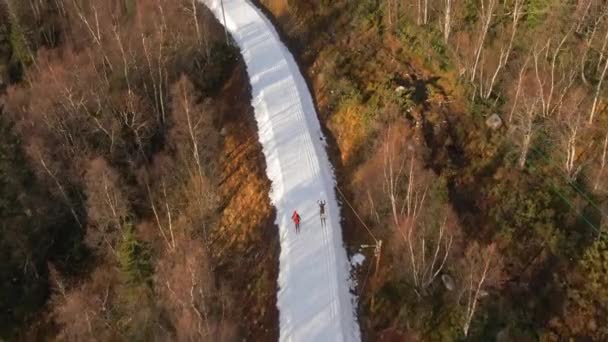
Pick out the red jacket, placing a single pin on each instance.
(295, 217)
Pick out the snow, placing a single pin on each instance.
(314, 299)
(357, 260)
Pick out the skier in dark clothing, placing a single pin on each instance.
(322, 211)
(296, 219)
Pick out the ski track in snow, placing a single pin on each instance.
(314, 298)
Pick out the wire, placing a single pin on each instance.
(356, 214)
(369, 268)
(569, 203)
(572, 184)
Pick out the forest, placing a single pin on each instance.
(470, 137)
(126, 172)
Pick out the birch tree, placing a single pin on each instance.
(598, 88)
(482, 270)
(574, 160)
(565, 81)
(108, 207)
(187, 292)
(527, 126)
(447, 21)
(604, 155)
(505, 51)
(588, 41)
(518, 87)
(487, 12)
(427, 242)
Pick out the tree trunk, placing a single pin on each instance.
(598, 91)
(518, 91)
(447, 21)
(426, 12)
(474, 296)
(602, 164)
(487, 20)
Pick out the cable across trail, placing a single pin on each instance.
(314, 300)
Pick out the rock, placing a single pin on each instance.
(592, 325)
(357, 260)
(223, 131)
(448, 282)
(503, 335)
(400, 90)
(321, 77)
(494, 122)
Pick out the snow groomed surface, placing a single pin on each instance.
(314, 298)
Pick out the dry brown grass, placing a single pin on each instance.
(246, 247)
(349, 131)
(277, 7)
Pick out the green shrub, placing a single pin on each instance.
(470, 14)
(134, 257)
(130, 7)
(536, 11)
(426, 42)
(368, 14)
(20, 57)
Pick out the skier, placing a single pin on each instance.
(322, 211)
(296, 219)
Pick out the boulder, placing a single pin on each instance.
(494, 122)
(503, 335)
(448, 282)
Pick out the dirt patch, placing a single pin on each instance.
(278, 7)
(246, 245)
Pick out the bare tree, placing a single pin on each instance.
(95, 32)
(600, 173)
(581, 20)
(564, 82)
(84, 312)
(392, 8)
(487, 12)
(193, 128)
(505, 52)
(447, 21)
(426, 12)
(108, 207)
(482, 270)
(60, 187)
(520, 78)
(527, 131)
(602, 52)
(598, 88)
(195, 19)
(588, 44)
(427, 243)
(187, 292)
(573, 164)
(157, 214)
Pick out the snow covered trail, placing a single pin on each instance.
(314, 299)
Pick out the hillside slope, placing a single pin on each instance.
(314, 298)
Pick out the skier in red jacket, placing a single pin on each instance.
(296, 219)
